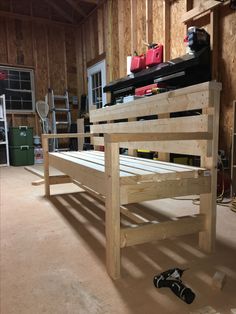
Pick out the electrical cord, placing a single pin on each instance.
(220, 198)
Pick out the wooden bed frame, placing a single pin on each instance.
(122, 179)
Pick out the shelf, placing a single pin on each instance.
(3, 142)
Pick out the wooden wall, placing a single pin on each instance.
(48, 48)
(126, 24)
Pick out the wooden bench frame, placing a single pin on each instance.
(193, 135)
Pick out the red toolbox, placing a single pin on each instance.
(154, 55)
(138, 63)
(144, 90)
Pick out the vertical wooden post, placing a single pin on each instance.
(208, 201)
(133, 26)
(112, 208)
(214, 26)
(80, 129)
(46, 165)
(131, 151)
(149, 22)
(166, 29)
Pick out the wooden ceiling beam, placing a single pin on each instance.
(76, 7)
(90, 1)
(60, 10)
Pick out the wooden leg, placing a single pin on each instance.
(46, 165)
(112, 210)
(207, 237)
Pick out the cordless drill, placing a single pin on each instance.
(172, 279)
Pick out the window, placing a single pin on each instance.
(19, 89)
(96, 82)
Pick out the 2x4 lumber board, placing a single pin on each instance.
(133, 44)
(112, 203)
(129, 169)
(208, 201)
(214, 31)
(152, 105)
(153, 162)
(80, 160)
(59, 10)
(121, 41)
(150, 137)
(166, 29)
(46, 165)
(200, 9)
(59, 179)
(76, 7)
(193, 97)
(149, 164)
(180, 125)
(196, 148)
(91, 178)
(80, 129)
(160, 231)
(157, 190)
(66, 135)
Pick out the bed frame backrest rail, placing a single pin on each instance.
(190, 109)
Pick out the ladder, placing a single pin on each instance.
(61, 118)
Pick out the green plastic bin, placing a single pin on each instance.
(21, 135)
(21, 155)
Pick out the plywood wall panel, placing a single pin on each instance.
(71, 62)
(41, 60)
(20, 42)
(227, 72)
(114, 39)
(3, 41)
(141, 26)
(177, 29)
(57, 59)
(157, 18)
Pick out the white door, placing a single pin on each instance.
(96, 82)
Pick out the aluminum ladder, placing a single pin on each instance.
(61, 118)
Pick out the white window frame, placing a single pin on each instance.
(28, 70)
(98, 67)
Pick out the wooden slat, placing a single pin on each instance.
(196, 148)
(46, 165)
(59, 179)
(200, 9)
(188, 98)
(150, 137)
(66, 135)
(159, 231)
(181, 124)
(80, 173)
(164, 189)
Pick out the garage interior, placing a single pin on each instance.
(53, 257)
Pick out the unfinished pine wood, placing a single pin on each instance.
(122, 180)
(46, 165)
(112, 210)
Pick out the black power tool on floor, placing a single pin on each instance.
(172, 279)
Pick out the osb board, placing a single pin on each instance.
(20, 42)
(227, 73)
(177, 29)
(157, 18)
(41, 60)
(3, 41)
(57, 62)
(40, 9)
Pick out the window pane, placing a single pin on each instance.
(25, 76)
(27, 105)
(16, 105)
(15, 84)
(25, 85)
(14, 75)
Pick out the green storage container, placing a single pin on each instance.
(21, 155)
(21, 135)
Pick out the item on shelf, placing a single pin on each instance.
(138, 63)
(154, 54)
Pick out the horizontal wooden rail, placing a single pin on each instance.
(139, 137)
(159, 231)
(66, 135)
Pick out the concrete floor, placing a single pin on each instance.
(53, 256)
